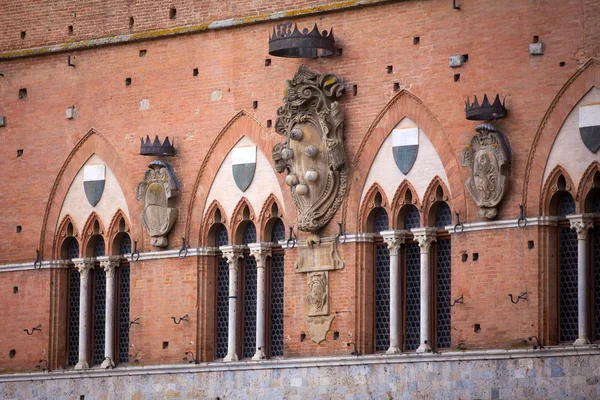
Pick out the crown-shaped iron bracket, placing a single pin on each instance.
(291, 43)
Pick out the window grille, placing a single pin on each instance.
(596, 203)
(566, 205)
(381, 220)
(124, 297)
(125, 245)
(249, 307)
(443, 280)
(278, 231)
(444, 216)
(99, 316)
(99, 247)
(413, 296)
(73, 320)
(596, 267)
(222, 296)
(73, 251)
(250, 234)
(382, 297)
(277, 272)
(568, 285)
(412, 219)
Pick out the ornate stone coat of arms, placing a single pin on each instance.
(313, 154)
(159, 191)
(488, 158)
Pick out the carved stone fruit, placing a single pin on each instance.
(311, 151)
(291, 180)
(287, 154)
(296, 134)
(311, 175)
(301, 189)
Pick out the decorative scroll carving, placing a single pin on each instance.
(324, 257)
(159, 191)
(313, 154)
(488, 158)
(317, 299)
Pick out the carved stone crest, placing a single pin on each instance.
(313, 154)
(488, 158)
(159, 191)
(317, 299)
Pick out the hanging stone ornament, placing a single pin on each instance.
(488, 158)
(159, 191)
(313, 154)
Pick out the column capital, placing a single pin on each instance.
(260, 251)
(394, 239)
(84, 265)
(582, 223)
(232, 253)
(424, 236)
(109, 263)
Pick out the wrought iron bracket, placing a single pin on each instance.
(340, 234)
(291, 239)
(134, 322)
(537, 344)
(191, 354)
(135, 254)
(522, 222)
(459, 227)
(460, 300)
(37, 328)
(522, 296)
(37, 264)
(184, 318)
(40, 367)
(354, 352)
(183, 251)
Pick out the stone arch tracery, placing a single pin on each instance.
(589, 185)
(404, 104)
(405, 194)
(371, 203)
(271, 210)
(119, 226)
(67, 232)
(436, 193)
(552, 186)
(215, 216)
(92, 229)
(242, 215)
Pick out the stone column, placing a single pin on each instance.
(260, 251)
(582, 223)
(109, 263)
(425, 236)
(83, 265)
(394, 239)
(233, 254)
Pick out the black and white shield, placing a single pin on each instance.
(589, 126)
(405, 147)
(243, 165)
(93, 182)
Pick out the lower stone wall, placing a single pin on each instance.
(533, 377)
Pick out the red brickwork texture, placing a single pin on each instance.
(495, 35)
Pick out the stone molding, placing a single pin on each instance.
(582, 223)
(424, 236)
(394, 239)
(260, 251)
(308, 362)
(84, 265)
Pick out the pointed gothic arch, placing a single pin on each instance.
(369, 203)
(534, 188)
(115, 228)
(242, 124)
(435, 192)
(91, 143)
(267, 216)
(242, 214)
(552, 185)
(405, 192)
(214, 215)
(588, 184)
(403, 104)
(63, 233)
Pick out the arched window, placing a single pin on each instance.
(222, 303)
(443, 276)
(277, 289)
(411, 219)
(249, 294)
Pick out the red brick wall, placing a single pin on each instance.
(496, 36)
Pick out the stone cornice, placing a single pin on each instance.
(309, 362)
(187, 29)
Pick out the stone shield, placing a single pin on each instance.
(589, 126)
(94, 178)
(405, 147)
(243, 166)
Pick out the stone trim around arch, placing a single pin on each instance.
(113, 229)
(88, 232)
(242, 124)
(551, 187)
(586, 185)
(265, 216)
(430, 198)
(61, 234)
(91, 143)
(237, 219)
(368, 204)
(534, 189)
(209, 221)
(399, 201)
(403, 104)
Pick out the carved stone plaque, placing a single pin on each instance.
(488, 159)
(322, 257)
(317, 298)
(313, 154)
(158, 191)
(318, 327)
